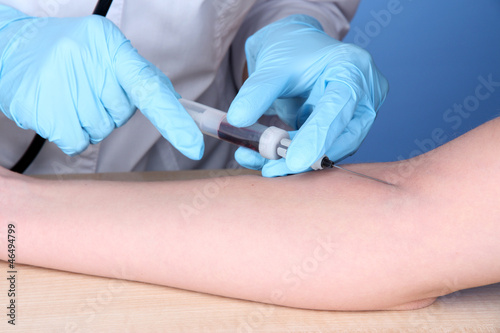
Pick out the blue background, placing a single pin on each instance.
(432, 53)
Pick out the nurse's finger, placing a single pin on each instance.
(152, 92)
(93, 116)
(252, 160)
(65, 130)
(249, 159)
(330, 117)
(278, 168)
(353, 135)
(116, 101)
(256, 95)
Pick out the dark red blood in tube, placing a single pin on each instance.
(245, 136)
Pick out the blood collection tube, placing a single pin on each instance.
(264, 140)
(270, 142)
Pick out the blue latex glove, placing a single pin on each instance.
(328, 90)
(74, 80)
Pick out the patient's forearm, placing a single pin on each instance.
(324, 240)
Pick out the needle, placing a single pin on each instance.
(327, 163)
(362, 175)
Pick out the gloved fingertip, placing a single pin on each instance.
(196, 152)
(239, 115)
(188, 141)
(201, 151)
(277, 168)
(300, 158)
(72, 146)
(270, 174)
(73, 151)
(297, 165)
(249, 158)
(95, 141)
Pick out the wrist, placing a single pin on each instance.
(302, 19)
(8, 15)
(296, 21)
(289, 30)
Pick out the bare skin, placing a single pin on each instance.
(323, 240)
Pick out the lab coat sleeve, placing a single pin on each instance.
(334, 16)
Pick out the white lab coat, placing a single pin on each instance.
(199, 44)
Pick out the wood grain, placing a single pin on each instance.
(54, 301)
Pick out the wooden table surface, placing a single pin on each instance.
(55, 301)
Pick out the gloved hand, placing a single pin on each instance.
(328, 90)
(73, 80)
